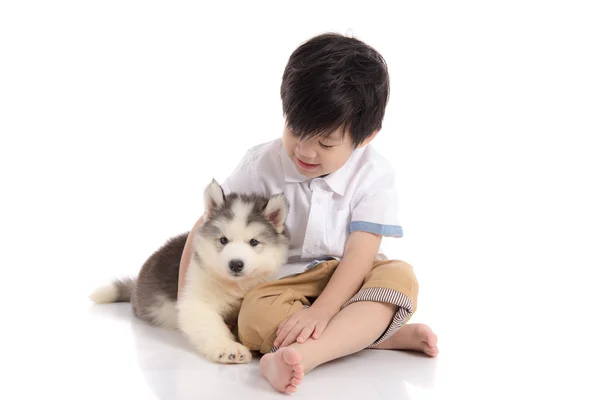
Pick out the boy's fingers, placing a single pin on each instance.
(291, 337)
(281, 325)
(319, 329)
(285, 330)
(291, 319)
(306, 332)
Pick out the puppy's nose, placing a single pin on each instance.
(236, 265)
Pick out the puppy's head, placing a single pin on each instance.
(243, 235)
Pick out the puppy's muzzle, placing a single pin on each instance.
(236, 266)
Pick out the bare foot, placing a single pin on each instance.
(283, 369)
(418, 337)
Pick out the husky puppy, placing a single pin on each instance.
(241, 243)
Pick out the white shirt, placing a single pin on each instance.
(323, 211)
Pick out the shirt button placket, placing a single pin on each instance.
(315, 221)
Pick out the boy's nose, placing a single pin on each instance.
(306, 150)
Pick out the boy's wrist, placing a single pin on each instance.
(327, 307)
(336, 293)
(348, 277)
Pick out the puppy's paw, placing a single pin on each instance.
(230, 353)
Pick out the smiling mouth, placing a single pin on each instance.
(306, 166)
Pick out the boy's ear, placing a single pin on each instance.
(368, 139)
(214, 197)
(276, 211)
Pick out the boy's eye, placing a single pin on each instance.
(325, 146)
(224, 240)
(253, 242)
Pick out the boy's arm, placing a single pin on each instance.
(187, 256)
(359, 255)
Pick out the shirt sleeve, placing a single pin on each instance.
(376, 208)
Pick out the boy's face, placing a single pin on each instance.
(319, 156)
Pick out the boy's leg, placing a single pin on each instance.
(385, 302)
(399, 335)
(267, 305)
(351, 330)
(417, 337)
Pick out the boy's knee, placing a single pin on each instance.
(260, 316)
(397, 275)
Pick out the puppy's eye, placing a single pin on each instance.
(253, 242)
(224, 241)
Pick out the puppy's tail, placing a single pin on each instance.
(118, 290)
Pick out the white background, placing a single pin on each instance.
(114, 115)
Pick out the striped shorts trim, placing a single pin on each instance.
(386, 295)
(382, 295)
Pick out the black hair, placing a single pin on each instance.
(331, 81)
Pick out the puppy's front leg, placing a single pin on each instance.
(209, 334)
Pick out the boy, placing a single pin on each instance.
(337, 295)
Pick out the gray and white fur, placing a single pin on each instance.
(241, 243)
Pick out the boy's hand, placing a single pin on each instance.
(302, 324)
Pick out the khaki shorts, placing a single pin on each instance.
(267, 305)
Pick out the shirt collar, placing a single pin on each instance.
(337, 181)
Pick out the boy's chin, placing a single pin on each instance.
(311, 174)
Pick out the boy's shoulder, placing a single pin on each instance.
(370, 192)
(369, 169)
(258, 168)
(375, 163)
(266, 151)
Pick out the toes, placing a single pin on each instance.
(291, 389)
(431, 341)
(291, 356)
(280, 372)
(428, 336)
(434, 351)
(430, 350)
(298, 369)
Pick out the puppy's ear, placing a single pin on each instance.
(276, 211)
(214, 197)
